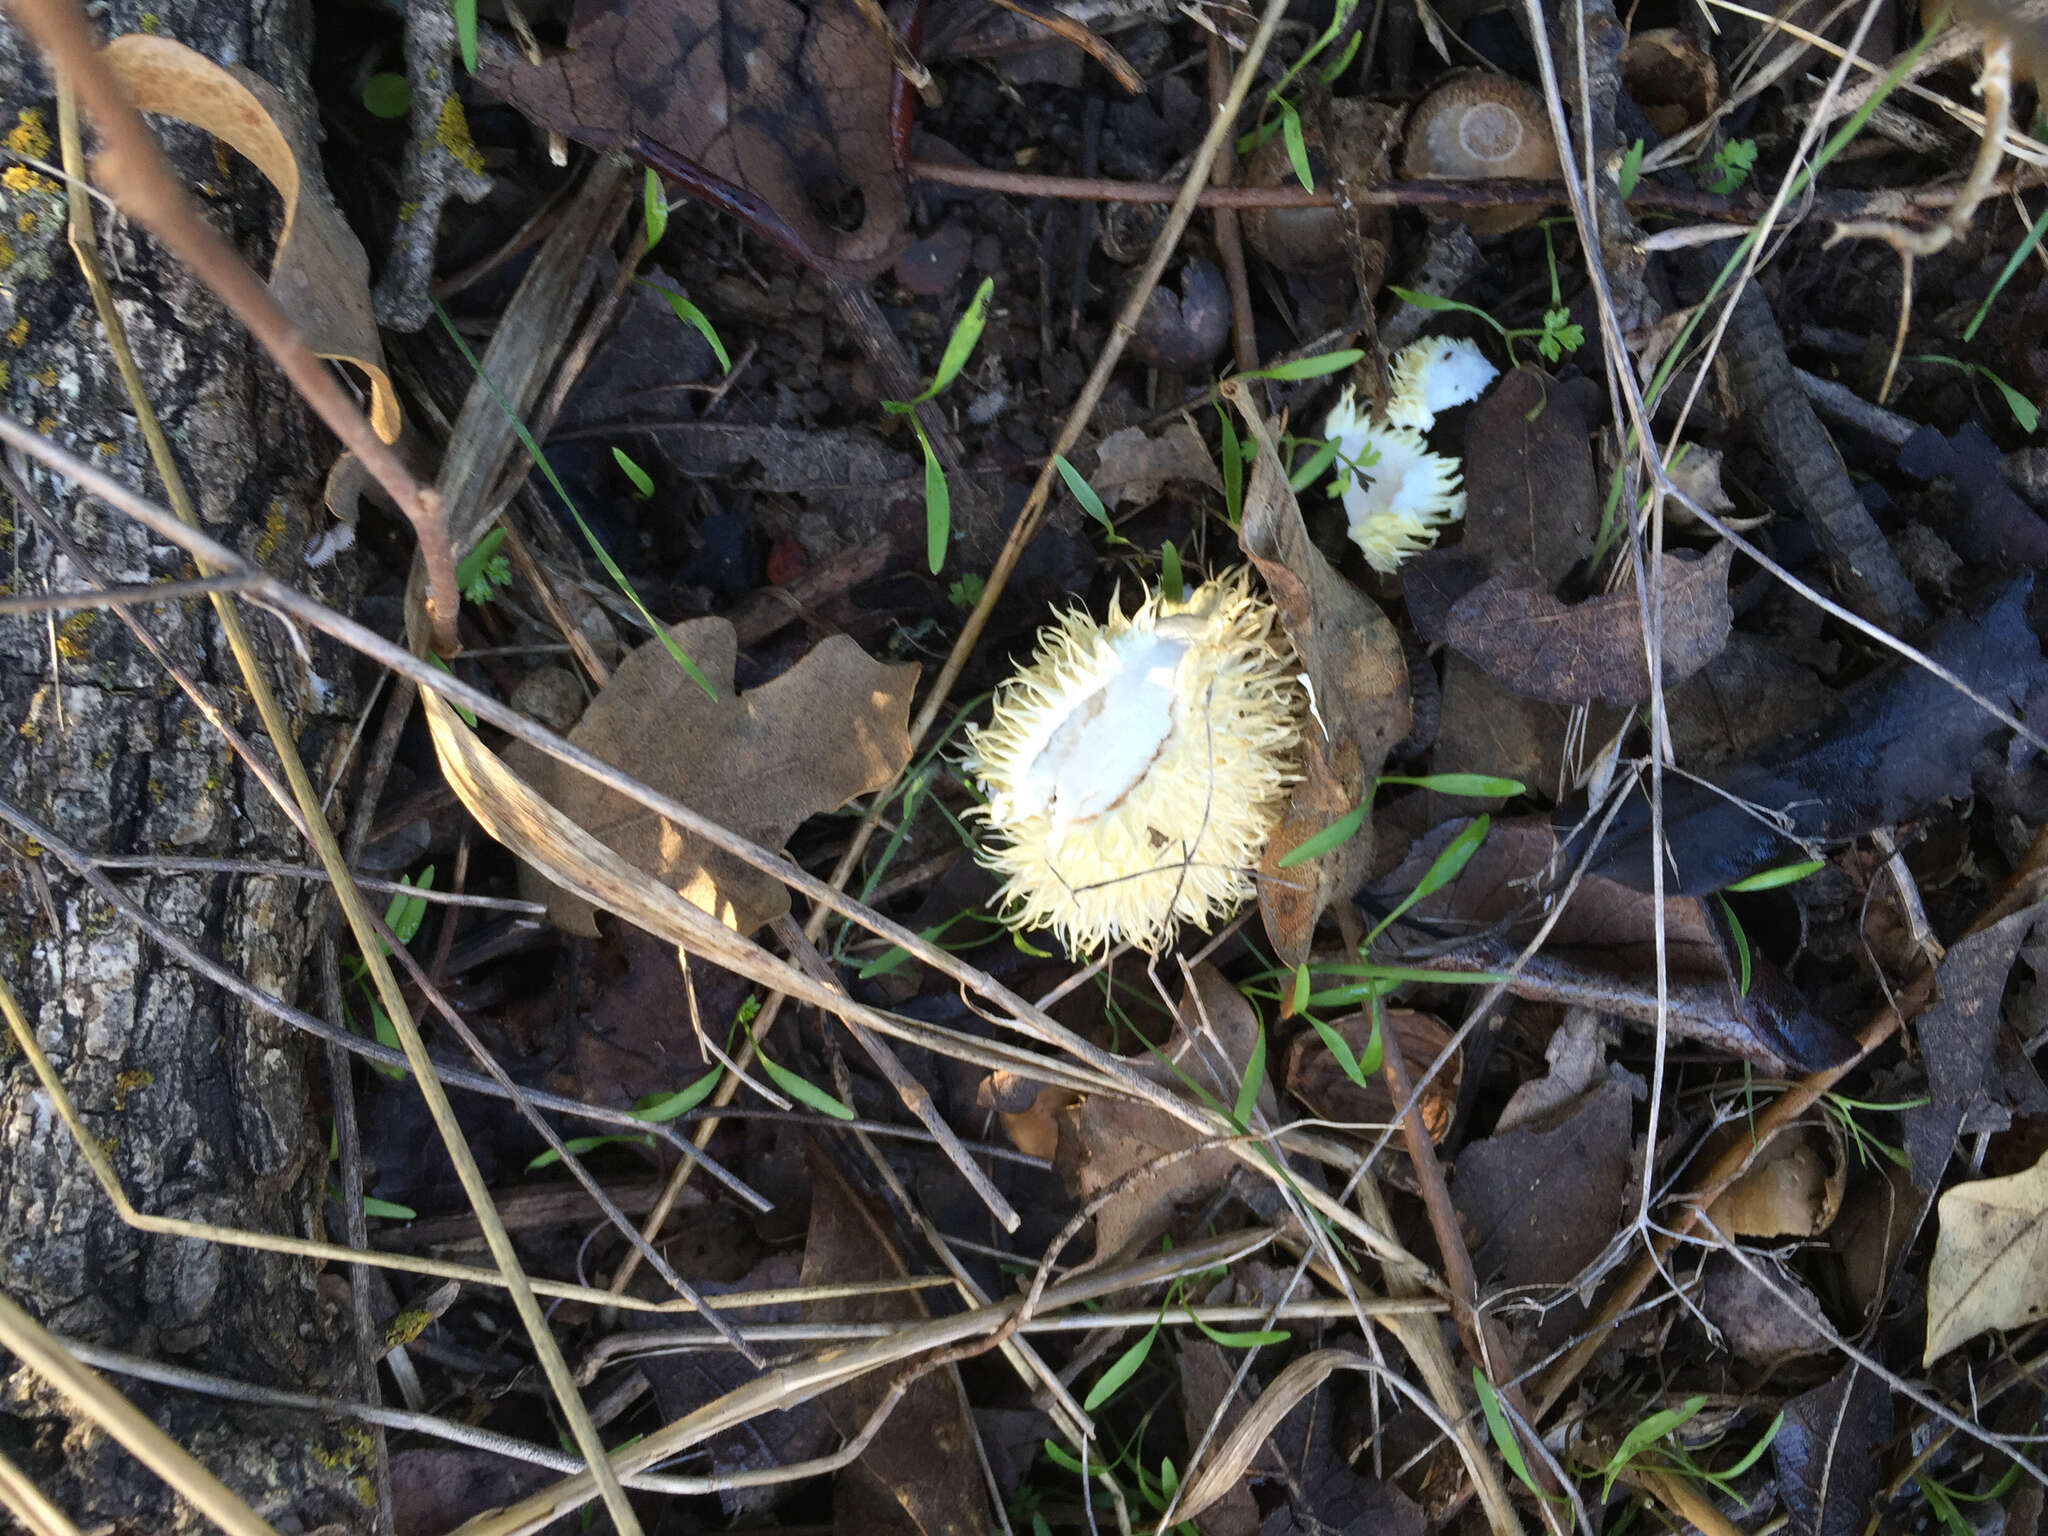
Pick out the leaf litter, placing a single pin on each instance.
(1798, 751)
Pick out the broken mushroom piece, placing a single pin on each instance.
(1356, 154)
(1432, 375)
(1478, 127)
(1135, 768)
(1397, 494)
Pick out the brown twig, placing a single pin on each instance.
(1229, 239)
(132, 168)
(1390, 194)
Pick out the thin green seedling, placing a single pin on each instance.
(660, 1108)
(2024, 411)
(1630, 171)
(1733, 162)
(1800, 180)
(2026, 247)
(695, 318)
(1170, 585)
(653, 206)
(1346, 827)
(468, 715)
(1504, 1439)
(1445, 868)
(579, 1145)
(1646, 1434)
(1276, 97)
(1556, 336)
(483, 573)
(643, 483)
(893, 957)
(1559, 334)
(1783, 874)
(1322, 365)
(1844, 1111)
(802, 1089)
(1740, 936)
(1084, 493)
(388, 1210)
(1667, 1456)
(1231, 453)
(938, 499)
(966, 592)
(1945, 1501)
(465, 32)
(604, 556)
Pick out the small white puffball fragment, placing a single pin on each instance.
(1396, 503)
(1136, 767)
(1434, 374)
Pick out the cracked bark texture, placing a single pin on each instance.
(204, 1103)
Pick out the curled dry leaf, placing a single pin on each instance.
(777, 112)
(1104, 1139)
(1352, 660)
(1542, 648)
(1131, 468)
(1827, 1453)
(1990, 1267)
(320, 274)
(1314, 1077)
(1793, 1189)
(759, 763)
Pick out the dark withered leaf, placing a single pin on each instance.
(1542, 648)
(1529, 494)
(1826, 1453)
(1893, 747)
(777, 111)
(1990, 522)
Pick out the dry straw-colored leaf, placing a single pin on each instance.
(1352, 659)
(1990, 1267)
(320, 274)
(758, 763)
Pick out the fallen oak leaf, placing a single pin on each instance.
(319, 274)
(760, 763)
(777, 112)
(1990, 1265)
(1530, 642)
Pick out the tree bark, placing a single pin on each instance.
(204, 1103)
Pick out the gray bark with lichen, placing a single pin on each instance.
(203, 1104)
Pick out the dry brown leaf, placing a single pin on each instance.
(1514, 627)
(777, 112)
(1529, 493)
(919, 1474)
(320, 274)
(1352, 659)
(759, 763)
(1131, 468)
(1793, 1190)
(1103, 1139)
(1990, 1266)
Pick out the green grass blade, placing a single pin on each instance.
(390, 1210)
(1233, 470)
(1297, 147)
(654, 207)
(1084, 493)
(697, 320)
(938, 502)
(643, 483)
(1120, 1371)
(1784, 874)
(465, 32)
(1319, 366)
(1335, 835)
(960, 345)
(1339, 1048)
(660, 1108)
(1503, 1436)
(1477, 784)
(1170, 585)
(1254, 1078)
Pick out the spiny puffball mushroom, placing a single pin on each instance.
(1477, 126)
(1135, 768)
(1397, 504)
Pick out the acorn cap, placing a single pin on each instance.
(1476, 126)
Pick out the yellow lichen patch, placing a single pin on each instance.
(47, 378)
(274, 527)
(451, 132)
(46, 426)
(71, 635)
(404, 1327)
(29, 136)
(108, 449)
(129, 1082)
(19, 178)
(17, 333)
(149, 22)
(6, 375)
(26, 221)
(6, 253)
